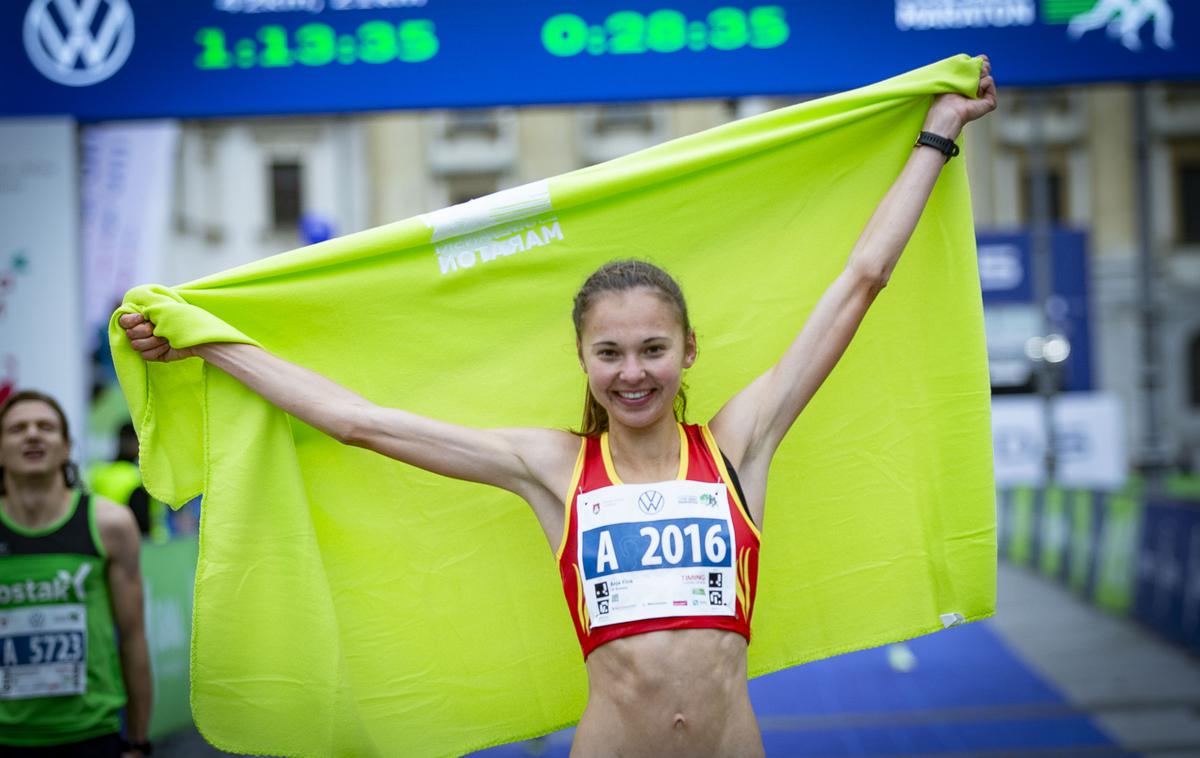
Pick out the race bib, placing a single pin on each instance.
(656, 550)
(43, 651)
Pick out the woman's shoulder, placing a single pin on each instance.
(547, 446)
(549, 455)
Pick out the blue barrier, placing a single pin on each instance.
(1167, 597)
(1122, 551)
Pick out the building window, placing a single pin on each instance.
(625, 117)
(1194, 370)
(1055, 102)
(463, 187)
(1189, 200)
(1182, 94)
(472, 123)
(1187, 191)
(1008, 327)
(1056, 176)
(287, 200)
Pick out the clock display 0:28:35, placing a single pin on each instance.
(666, 31)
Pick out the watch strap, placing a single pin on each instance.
(145, 747)
(944, 145)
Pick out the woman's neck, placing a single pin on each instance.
(646, 454)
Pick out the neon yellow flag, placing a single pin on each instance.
(347, 604)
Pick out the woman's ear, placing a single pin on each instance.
(579, 355)
(689, 349)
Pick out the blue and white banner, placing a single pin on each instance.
(1012, 316)
(110, 59)
(40, 341)
(128, 173)
(1089, 435)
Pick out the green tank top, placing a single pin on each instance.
(60, 674)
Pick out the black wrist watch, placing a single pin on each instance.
(144, 747)
(944, 145)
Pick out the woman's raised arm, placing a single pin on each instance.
(752, 424)
(517, 460)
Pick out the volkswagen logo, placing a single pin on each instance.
(650, 502)
(78, 42)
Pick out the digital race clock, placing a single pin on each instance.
(317, 44)
(666, 31)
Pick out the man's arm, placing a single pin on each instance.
(122, 541)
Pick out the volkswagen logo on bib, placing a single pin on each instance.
(78, 42)
(650, 502)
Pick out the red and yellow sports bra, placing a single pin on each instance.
(679, 554)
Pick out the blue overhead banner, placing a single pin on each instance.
(1013, 315)
(105, 59)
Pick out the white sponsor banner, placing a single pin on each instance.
(963, 14)
(41, 326)
(1089, 434)
(128, 170)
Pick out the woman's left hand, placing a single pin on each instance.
(951, 111)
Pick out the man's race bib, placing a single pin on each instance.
(43, 651)
(656, 550)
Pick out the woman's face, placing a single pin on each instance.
(634, 351)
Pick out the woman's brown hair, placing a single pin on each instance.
(621, 276)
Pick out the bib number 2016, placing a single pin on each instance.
(671, 542)
(651, 545)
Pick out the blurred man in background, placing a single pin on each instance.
(69, 574)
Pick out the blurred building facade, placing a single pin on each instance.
(242, 187)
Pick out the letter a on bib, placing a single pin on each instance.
(606, 555)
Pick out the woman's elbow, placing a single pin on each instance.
(351, 428)
(345, 434)
(869, 278)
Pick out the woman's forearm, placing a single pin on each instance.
(310, 397)
(891, 225)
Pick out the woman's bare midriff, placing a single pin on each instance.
(672, 693)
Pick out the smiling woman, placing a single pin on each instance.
(654, 521)
(636, 326)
